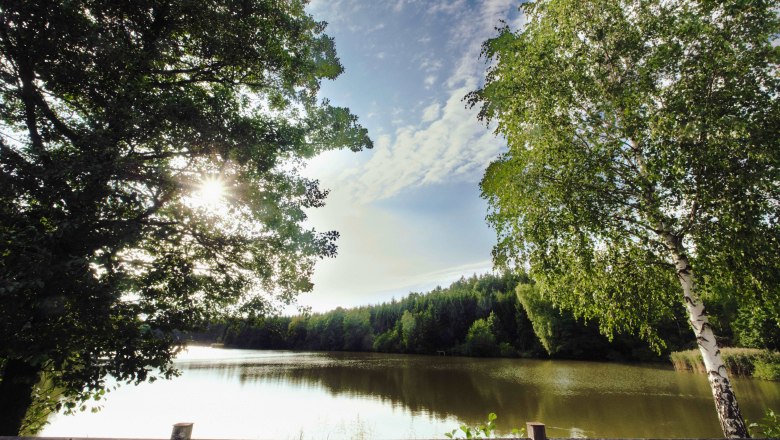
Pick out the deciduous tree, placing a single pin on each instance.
(112, 115)
(643, 163)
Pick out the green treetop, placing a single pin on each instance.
(112, 116)
(643, 164)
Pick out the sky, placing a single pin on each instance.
(409, 211)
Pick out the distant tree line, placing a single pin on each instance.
(488, 315)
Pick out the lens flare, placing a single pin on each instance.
(211, 192)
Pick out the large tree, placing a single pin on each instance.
(643, 165)
(112, 115)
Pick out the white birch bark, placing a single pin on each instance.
(730, 417)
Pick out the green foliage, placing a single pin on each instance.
(44, 405)
(388, 342)
(767, 369)
(558, 331)
(112, 115)
(768, 427)
(641, 173)
(479, 316)
(653, 132)
(761, 364)
(358, 335)
(488, 315)
(408, 327)
(484, 430)
(480, 340)
(564, 336)
(756, 327)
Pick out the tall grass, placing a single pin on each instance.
(761, 364)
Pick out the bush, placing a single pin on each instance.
(481, 431)
(740, 361)
(480, 340)
(767, 369)
(769, 426)
(506, 350)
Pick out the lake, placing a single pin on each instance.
(248, 394)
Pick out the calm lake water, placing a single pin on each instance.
(248, 394)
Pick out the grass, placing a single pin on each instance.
(752, 362)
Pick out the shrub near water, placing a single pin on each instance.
(768, 427)
(761, 364)
(767, 369)
(481, 431)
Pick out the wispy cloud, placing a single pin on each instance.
(400, 230)
(365, 28)
(430, 65)
(447, 6)
(431, 113)
(398, 6)
(448, 143)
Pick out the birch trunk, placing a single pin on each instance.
(730, 417)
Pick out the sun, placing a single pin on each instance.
(211, 192)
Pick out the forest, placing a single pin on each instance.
(487, 315)
(159, 163)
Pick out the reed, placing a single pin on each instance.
(762, 364)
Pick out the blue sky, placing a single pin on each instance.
(409, 210)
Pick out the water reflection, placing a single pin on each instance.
(286, 395)
(572, 398)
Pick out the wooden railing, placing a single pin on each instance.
(183, 431)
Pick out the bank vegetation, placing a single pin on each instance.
(492, 315)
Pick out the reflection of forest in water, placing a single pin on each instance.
(594, 399)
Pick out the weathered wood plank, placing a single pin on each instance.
(536, 431)
(181, 431)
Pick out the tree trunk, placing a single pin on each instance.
(731, 421)
(18, 380)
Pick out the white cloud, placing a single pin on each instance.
(447, 143)
(447, 6)
(431, 112)
(450, 144)
(393, 238)
(359, 28)
(384, 252)
(430, 65)
(422, 137)
(336, 11)
(470, 32)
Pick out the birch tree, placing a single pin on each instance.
(643, 165)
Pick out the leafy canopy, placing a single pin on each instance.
(628, 122)
(112, 114)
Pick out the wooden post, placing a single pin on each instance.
(536, 431)
(181, 431)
